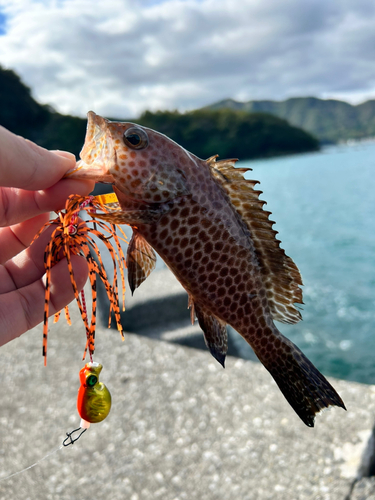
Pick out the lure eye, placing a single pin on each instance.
(135, 138)
(91, 380)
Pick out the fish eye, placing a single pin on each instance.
(91, 380)
(135, 138)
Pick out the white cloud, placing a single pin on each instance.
(120, 57)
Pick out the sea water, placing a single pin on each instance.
(324, 206)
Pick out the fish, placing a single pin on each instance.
(208, 224)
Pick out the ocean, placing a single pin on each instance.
(323, 204)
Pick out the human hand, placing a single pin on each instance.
(31, 186)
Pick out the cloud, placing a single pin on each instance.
(120, 57)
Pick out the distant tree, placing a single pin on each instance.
(227, 132)
(230, 133)
(327, 119)
(19, 112)
(63, 132)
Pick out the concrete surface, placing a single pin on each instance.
(364, 489)
(180, 428)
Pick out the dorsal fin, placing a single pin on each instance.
(281, 276)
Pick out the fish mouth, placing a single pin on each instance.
(97, 155)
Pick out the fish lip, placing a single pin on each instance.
(97, 168)
(93, 172)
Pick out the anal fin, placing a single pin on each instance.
(140, 260)
(214, 331)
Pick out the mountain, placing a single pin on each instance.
(328, 120)
(22, 114)
(19, 112)
(230, 134)
(203, 132)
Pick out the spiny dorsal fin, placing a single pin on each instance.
(281, 276)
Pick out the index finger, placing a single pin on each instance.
(25, 165)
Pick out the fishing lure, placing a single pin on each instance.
(94, 399)
(74, 236)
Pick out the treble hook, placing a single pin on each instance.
(69, 436)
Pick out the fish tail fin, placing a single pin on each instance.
(305, 388)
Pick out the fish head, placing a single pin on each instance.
(143, 164)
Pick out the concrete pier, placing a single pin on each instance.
(180, 427)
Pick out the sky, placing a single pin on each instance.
(120, 57)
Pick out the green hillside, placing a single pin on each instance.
(21, 114)
(329, 120)
(230, 134)
(203, 132)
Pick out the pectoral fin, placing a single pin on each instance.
(116, 215)
(215, 333)
(140, 260)
(145, 214)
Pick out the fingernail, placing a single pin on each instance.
(64, 154)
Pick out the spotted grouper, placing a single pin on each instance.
(208, 225)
